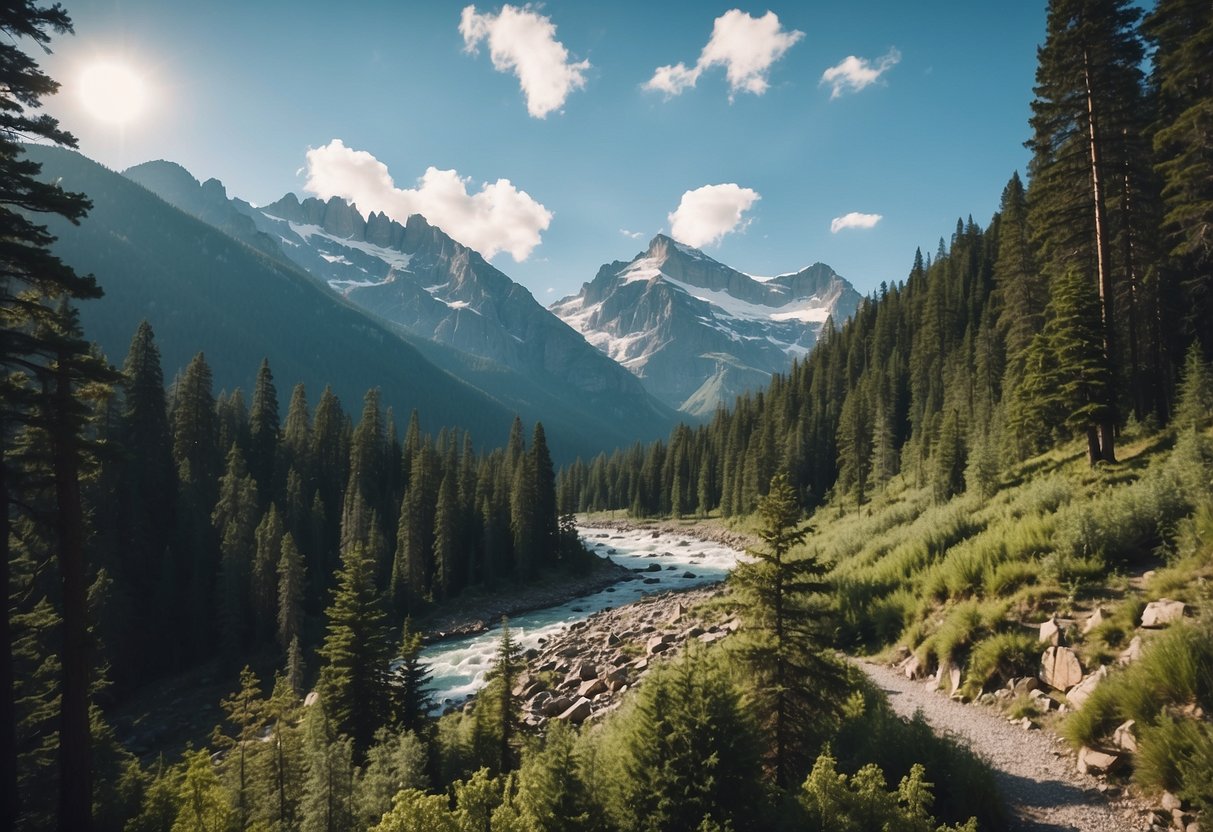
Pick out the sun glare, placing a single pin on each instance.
(112, 92)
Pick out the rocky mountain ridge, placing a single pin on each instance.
(697, 332)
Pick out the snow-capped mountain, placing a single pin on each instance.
(464, 314)
(697, 332)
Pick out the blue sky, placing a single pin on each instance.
(241, 91)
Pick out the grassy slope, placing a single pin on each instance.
(968, 582)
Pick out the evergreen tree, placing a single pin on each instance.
(552, 796)
(284, 760)
(1194, 409)
(447, 557)
(948, 460)
(798, 683)
(246, 714)
(327, 804)
(410, 683)
(203, 801)
(263, 433)
(353, 681)
(235, 524)
(291, 582)
(295, 671)
(267, 554)
(545, 497)
(497, 708)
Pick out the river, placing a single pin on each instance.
(458, 666)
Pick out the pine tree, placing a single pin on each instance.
(292, 580)
(267, 554)
(1182, 33)
(235, 524)
(410, 683)
(263, 434)
(284, 761)
(784, 621)
(328, 790)
(545, 497)
(32, 280)
(356, 652)
(295, 671)
(447, 557)
(948, 459)
(524, 516)
(497, 708)
(202, 800)
(552, 796)
(148, 497)
(1194, 409)
(196, 429)
(245, 712)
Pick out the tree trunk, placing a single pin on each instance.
(1107, 427)
(9, 795)
(75, 774)
(1093, 449)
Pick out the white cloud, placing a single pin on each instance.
(632, 235)
(497, 218)
(854, 220)
(746, 46)
(706, 214)
(852, 74)
(524, 42)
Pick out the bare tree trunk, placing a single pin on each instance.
(1103, 265)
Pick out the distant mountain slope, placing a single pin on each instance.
(204, 291)
(495, 334)
(697, 332)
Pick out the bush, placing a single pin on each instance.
(1175, 671)
(1177, 755)
(1001, 657)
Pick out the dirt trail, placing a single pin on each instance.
(1035, 769)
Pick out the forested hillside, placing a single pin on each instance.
(1068, 315)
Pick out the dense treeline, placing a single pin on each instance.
(1068, 315)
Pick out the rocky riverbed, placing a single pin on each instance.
(583, 672)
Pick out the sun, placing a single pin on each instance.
(113, 92)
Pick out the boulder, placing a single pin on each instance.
(654, 567)
(1081, 692)
(949, 678)
(1060, 668)
(591, 688)
(658, 644)
(1024, 686)
(586, 671)
(912, 668)
(1170, 802)
(612, 639)
(1162, 612)
(577, 712)
(1050, 632)
(1131, 653)
(556, 705)
(1096, 618)
(311, 699)
(1094, 761)
(1125, 737)
(679, 612)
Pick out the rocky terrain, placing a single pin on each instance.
(583, 673)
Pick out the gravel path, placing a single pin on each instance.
(1034, 769)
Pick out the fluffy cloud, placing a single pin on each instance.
(746, 46)
(706, 214)
(631, 235)
(497, 218)
(852, 74)
(854, 220)
(524, 42)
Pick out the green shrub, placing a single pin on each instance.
(965, 624)
(1177, 755)
(1001, 657)
(1005, 578)
(1176, 670)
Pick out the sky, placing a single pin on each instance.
(557, 137)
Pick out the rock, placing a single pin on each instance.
(1041, 700)
(913, 668)
(652, 580)
(657, 644)
(586, 671)
(1131, 653)
(577, 712)
(311, 699)
(1050, 632)
(732, 625)
(679, 612)
(654, 567)
(1162, 612)
(949, 676)
(670, 568)
(612, 639)
(1170, 802)
(1096, 618)
(1125, 738)
(1023, 686)
(689, 575)
(1093, 761)
(1060, 668)
(591, 688)
(556, 705)
(1083, 690)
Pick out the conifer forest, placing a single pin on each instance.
(240, 609)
